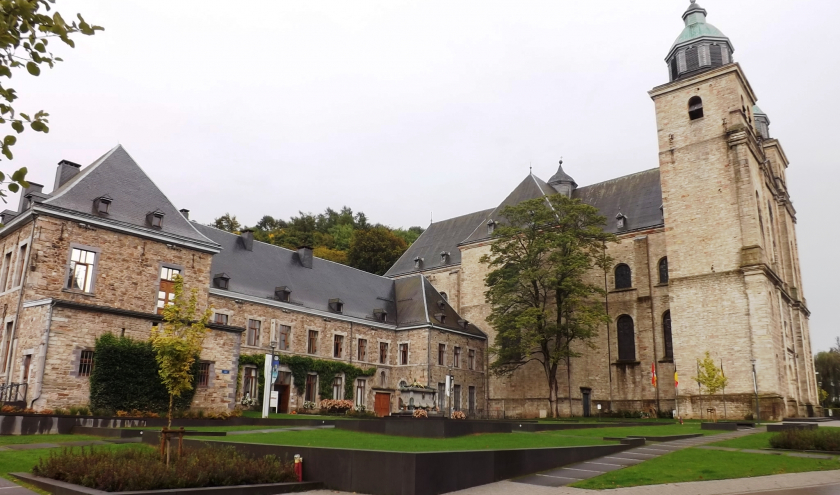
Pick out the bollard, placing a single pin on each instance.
(299, 467)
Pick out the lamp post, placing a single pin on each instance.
(755, 388)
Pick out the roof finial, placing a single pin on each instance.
(693, 2)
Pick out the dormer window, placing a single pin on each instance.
(444, 296)
(221, 281)
(662, 211)
(444, 257)
(380, 315)
(621, 221)
(441, 304)
(441, 317)
(337, 305)
(102, 205)
(418, 262)
(491, 226)
(283, 293)
(463, 323)
(155, 219)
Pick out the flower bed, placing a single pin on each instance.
(826, 439)
(142, 469)
(329, 406)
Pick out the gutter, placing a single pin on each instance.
(42, 366)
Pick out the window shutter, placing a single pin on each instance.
(681, 61)
(724, 54)
(704, 56)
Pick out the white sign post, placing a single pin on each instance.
(275, 397)
(268, 386)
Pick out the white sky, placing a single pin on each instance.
(402, 108)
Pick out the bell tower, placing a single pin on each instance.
(724, 203)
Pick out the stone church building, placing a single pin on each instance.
(707, 260)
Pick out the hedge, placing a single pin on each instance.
(827, 439)
(125, 378)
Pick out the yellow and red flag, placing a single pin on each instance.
(676, 380)
(653, 374)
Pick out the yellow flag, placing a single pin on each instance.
(676, 379)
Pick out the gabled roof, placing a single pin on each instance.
(530, 188)
(134, 195)
(637, 196)
(258, 272)
(439, 237)
(419, 303)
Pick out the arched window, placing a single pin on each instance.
(626, 339)
(382, 381)
(695, 108)
(663, 270)
(666, 333)
(623, 277)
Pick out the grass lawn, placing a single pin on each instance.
(624, 431)
(372, 441)
(703, 465)
(754, 441)
(23, 439)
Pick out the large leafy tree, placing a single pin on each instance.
(26, 28)
(228, 223)
(827, 364)
(177, 342)
(375, 250)
(543, 307)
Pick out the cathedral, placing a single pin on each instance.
(706, 261)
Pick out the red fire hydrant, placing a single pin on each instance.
(299, 467)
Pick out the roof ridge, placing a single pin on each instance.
(621, 177)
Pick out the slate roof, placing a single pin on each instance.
(439, 237)
(407, 302)
(638, 196)
(116, 175)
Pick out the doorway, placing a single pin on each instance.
(283, 385)
(586, 394)
(382, 404)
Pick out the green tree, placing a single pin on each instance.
(25, 31)
(827, 365)
(375, 250)
(409, 235)
(709, 375)
(542, 306)
(227, 223)
(177, 341)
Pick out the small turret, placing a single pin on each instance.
(762, 122)
(562, 182)
(699, 47)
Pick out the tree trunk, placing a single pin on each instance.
(552, 390)
(169, 415)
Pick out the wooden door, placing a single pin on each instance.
(284, 399)
(382, 405)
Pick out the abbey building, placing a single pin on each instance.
(707, 260)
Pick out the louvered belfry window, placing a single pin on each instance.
(623, 277)
(715, 55)
(692, 59)
(626, 339)
(703, 52)
(663, 270)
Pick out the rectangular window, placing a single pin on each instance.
(7, 266)
(362, 351)
(283, 342)
(471, 359)
(220, 319)
(471, 400)
(456, 361)
(21, 266)
(442, 354)
(85, 363)
(311, 392)
(166, 290)
(203, 374)
(82, 263)
(7, 346)
(383, 353)
(338, 389)
(254, 332)
(441, 396)
(312, 342)
(27, 363)
(360, 392)
(456, 400)
(403, 353)
(251, 382)
(338, 346)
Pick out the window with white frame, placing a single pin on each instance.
(254, 332)
(338, 389)
(166, 291)
(360, 392)
(82, 264)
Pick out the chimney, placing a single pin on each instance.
(66, 171)
(24, 203)
(305, 256)
(247, 237)
(186, 213)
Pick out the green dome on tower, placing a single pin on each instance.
(700, 46)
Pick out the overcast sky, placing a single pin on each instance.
(403, 109)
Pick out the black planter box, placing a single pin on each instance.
(425, 428)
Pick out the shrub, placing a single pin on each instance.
(142, 469)
(330, 406)
(458, 415)
(309, 405)
(827, 439)
(421, 413)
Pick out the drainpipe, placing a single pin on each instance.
(24, 268)
(429, 358)
(652, 321)
(609, 344)
(42, 366)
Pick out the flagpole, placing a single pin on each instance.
(676, 389)
(724, 388)
(699, 390)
